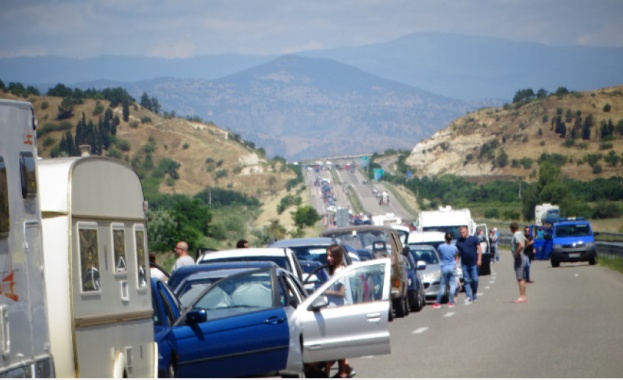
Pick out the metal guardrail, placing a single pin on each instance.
(611, 249)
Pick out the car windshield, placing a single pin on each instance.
(452, 229)
(427, 255)
(362, 239)
(311, 253)
(573, 230)
(237, 294)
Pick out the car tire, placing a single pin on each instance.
(416, 305)
(555, 264)
(592, 261)
(400, 307)
(412, 300)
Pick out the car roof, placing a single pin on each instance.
(341, 230)
(247, 252)
(301, 242)
(426, 236)
(421, 246)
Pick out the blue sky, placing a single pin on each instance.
(186, 28)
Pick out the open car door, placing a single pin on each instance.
(351, 326)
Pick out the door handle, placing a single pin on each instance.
(374, 317)
(274, 320)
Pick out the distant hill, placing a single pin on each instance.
(304, 108)
(472, 144)
(208, 155)
(481, 70)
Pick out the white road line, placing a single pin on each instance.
(491, 282)
(420, 330)
(487, 287)
(449, 314)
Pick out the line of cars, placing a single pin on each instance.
(263, 311)
(249, 312)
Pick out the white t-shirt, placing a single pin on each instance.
(183, 261)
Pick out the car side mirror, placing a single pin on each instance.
(405, 251)
(196, 316)
(595, 233)
(421, 264)
(319, 303)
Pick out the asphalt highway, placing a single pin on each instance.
(571, 326)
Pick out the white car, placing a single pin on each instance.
(284, 257)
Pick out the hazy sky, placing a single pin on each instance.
(185, 28)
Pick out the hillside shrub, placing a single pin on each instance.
(492, 213)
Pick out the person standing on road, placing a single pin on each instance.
(449, 260)
(338, 295)
(493, 237)
(471, 259)
(181, 248)
(517, 249)
(528, 251)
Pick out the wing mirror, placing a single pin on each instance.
(319, 303)
(405, 251)
(196, 316)
(421, 264)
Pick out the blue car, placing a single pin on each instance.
(258, 322)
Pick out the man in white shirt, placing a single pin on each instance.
(181, 248)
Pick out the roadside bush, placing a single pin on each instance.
(492, 213)
(511, 215)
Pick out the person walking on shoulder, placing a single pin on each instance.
(181, 248)
(517, 249)
(471, 259)
(449, 260)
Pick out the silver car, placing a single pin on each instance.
(431, 275)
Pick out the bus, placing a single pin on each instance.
(24, 335)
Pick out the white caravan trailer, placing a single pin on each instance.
(24, 338)
(97, 269)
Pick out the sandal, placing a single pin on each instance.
(520, 300)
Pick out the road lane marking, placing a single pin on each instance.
(491, 282)
(487, 287)
(447, 315)
(420, 330)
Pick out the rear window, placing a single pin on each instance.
(281, 261)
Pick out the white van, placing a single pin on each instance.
(24, 337)
(95, 247)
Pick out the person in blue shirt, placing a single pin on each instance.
(471, 259)
(449, 259)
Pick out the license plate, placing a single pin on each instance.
(574, 255)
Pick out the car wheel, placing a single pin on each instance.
(593, 261)
(399, 307)
(413, 301)
(555, 264)
(391, 314)
(417, 304)
(407, 305)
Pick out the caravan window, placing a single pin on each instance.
(118, 236)
(29, 177)
(141, 257)
(89, 259)
(4, 202)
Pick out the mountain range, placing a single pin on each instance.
(330, 102)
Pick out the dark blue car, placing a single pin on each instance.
(416, 293)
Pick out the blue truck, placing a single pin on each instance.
(565, 240)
